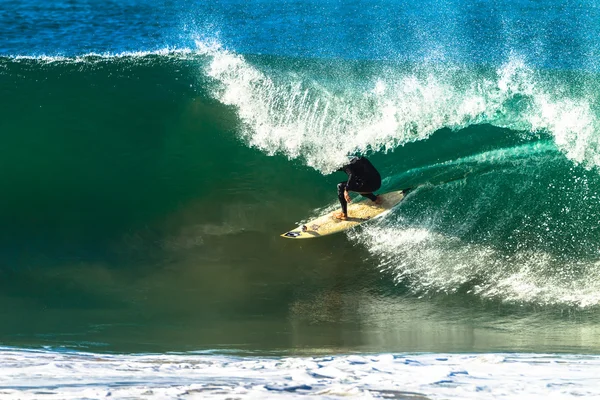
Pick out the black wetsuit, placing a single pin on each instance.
(363, 178)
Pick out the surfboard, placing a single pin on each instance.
(358, 213)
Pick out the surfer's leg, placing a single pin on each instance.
(373, 197)
(370, 196)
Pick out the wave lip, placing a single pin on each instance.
(323, 119)
(48, 59)
(40, 374)
(325, 114)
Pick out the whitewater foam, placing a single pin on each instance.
(301, 118)
(430, 262)
(47, 374)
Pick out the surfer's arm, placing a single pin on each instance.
(349, 186)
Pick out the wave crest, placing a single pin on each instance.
(323, 120)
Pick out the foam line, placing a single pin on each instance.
(166, 52)
(47, 374)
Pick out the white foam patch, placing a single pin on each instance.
(571, 121)
(32, 374)
(430, 262)
(304, 119)
(90, 57)
(301, 118)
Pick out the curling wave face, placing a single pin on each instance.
(189, 160)
(540, 249)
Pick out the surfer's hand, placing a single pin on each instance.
(347, 196)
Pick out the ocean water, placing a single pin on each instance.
(152, 152)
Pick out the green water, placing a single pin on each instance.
(136, 216)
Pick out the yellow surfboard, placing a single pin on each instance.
(358, 212)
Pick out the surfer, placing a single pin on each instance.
(363, 178)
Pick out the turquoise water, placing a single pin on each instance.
(150, 156)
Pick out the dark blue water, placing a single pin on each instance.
(551, 34)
